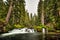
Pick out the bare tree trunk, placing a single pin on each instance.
(59, 12)
(9, 12)
(42, 15)
(2, 24)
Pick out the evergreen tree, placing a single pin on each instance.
(41, 12)
(9, 11)
(50, 12)
(58, 15)
(15, 13)
(18, 12)
(3, 10)
(27, 24)
(3, 13)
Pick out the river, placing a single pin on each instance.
(31, 36)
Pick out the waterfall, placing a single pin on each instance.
(19, 31)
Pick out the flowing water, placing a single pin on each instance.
(31, 35)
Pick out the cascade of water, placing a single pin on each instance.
(43, 30)
(19, 31)
(43, 33)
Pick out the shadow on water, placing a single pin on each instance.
(52, 37)
(31, 36)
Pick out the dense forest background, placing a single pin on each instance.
(13, 15)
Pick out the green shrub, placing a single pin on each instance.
(39, 28)
(50, 29)
(18, 26)
(43, 26)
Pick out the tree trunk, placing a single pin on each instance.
(42, 15)
(42, 18)
(59, 12)
(9, 12)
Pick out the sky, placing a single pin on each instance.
(31, 6)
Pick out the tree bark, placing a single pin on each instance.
(42, 14)
(9, 12)
(42, 17)
(59, 12)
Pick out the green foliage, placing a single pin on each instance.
(18, 26)
(41, 26)
(50, 29)
(3, 10)
(2, 20)
(58, 26)
(20, 18)
(58, 31)
(50, 12)
(8, 27)
(17, 17)
(39, 12)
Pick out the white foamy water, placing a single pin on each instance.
(43, 30)
(19, 31)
